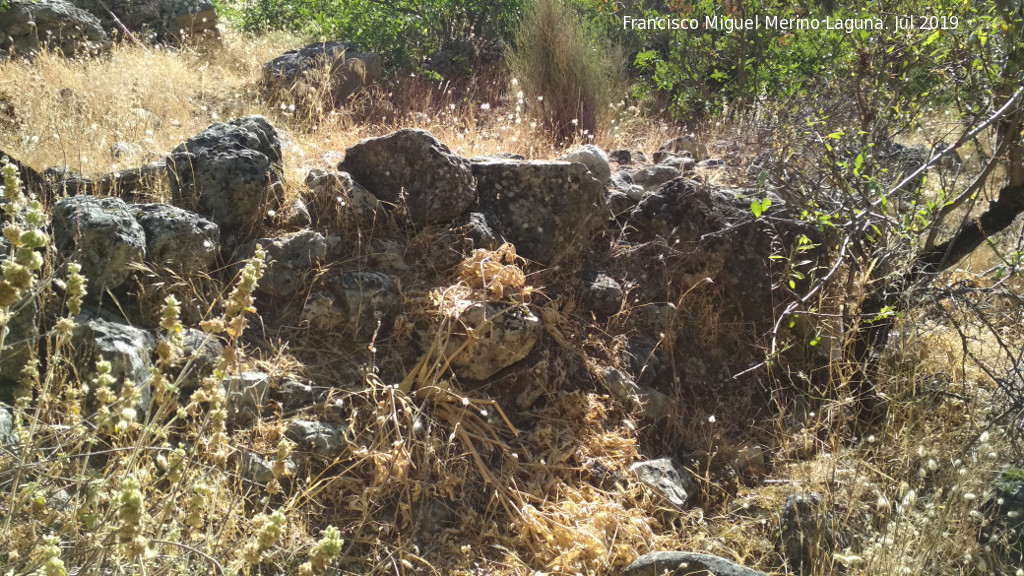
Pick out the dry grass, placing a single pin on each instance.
(444, 481)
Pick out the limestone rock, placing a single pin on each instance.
(199, 355)
(601, 293)
(594, 159)
(27, 26)
(547, 209)
(178, 239)
(502, 335)
(685, 564)
(291, 260)
(365, 299)
(335, 201)
(127, 348)
(437, 185)
(245, 395)
(724, 242)
(300, 72)
(102, 235)
(229, 173)
(317, 437)
(668, 478)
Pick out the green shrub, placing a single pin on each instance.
(403, 31)
(565, 68)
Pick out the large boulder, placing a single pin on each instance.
(28, 26)
(437, 185)
(686, 564)
(163, 20)
(178, 239)
(229, 173)
(291, 260)
(497, 336)
(725, 242)
(333, 69)
(547, 209)
(102, 235)
(126, 348)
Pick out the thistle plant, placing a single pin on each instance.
(130, 509)
(325, 551)
(280, 466)
(232, 323)
(52, 564)
(20, 270)
(269, 529)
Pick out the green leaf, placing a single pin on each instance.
(932, 38)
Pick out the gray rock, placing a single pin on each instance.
(102, 235)
(229, 173)
(711, 164)
(294, 394)
(259, 469)
(178, 239)
(1003, 531)
(297, 214)
(602, 294)
(27, 26)
(298, 73)
(316, 437)
(681, 163)
(724, 242)
(686, 564)
(594, 159)
(8, 439)
(809, 534)
(20, 343)
(188, 20)
(245, 395)
(161, 20)
(437, 184)
(132, 183)
(621, 157)
(652, 178)
(322, 312)
(618, 384)
(336, 201)
(622, 387)
(503, 335)
(365, 299)
(618, 203)
(667, 478)
(645, 359)
(291, 260)
(476, 229)
(127, 349)
(460, 58)
(547, 209)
